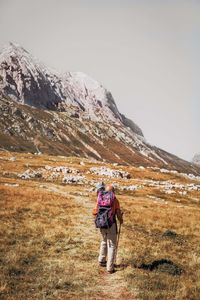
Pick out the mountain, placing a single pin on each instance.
(69, 114)
(196, 159)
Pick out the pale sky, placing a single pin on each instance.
(147, 53)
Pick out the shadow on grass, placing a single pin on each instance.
(163, 265)
(120, 267)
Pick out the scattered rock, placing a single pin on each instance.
(74, 179)
(103, 171)
(62, 169)
(182, 193)
(12, 158)
(188, 176)
(169, 187)
(11, 184)
(5, 173)
(141, 168)
(54, 176)
(38, 153)
(170, 192)
(164, 171)
(129, 188)
(28, 174)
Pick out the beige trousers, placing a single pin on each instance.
(108, 246)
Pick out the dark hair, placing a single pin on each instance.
(101, 189)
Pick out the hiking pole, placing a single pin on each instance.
(117, 244)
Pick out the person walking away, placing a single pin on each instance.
(106, 210)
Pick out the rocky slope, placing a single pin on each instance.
(28, 81)
(68, 114)
(196, 159)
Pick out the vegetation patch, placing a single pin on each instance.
(49, 245)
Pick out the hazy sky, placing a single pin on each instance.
(147, 53)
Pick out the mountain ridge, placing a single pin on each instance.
(70, 114)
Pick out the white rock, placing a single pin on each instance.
(62, 169)
(11, 184)
(130, 188)
(28, 174)
(110, 172)
(12, 158)
(182, 193)
(74, 179)
(141, 168)
(170, 192)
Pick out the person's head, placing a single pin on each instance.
(109, 188)
(100, 187)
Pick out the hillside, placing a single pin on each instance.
(69, 114)
(196, 159)
(49, 244)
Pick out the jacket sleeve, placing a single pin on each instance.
(116, 205)
(95, 210)
(118, 211)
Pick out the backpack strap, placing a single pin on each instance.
(99, 197)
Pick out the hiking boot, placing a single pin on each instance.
(102, 264)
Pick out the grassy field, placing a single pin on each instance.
(49, 245)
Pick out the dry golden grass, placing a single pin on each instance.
(146, 223)
(49, 245)
(43, 252)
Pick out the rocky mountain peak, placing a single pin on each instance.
(28, 81)
(16, 57)
(13, 49)
(68, 114)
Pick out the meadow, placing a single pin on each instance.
(49, 244)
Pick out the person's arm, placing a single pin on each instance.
(119, 216)
(118, 211)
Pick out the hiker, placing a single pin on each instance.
(106, 210)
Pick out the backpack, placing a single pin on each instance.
(105, 217)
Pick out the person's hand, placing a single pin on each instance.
(121, 221)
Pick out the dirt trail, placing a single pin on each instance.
(114, 287)
(111, 286)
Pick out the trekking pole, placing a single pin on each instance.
(117, 244)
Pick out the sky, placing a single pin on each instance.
(146, 52)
